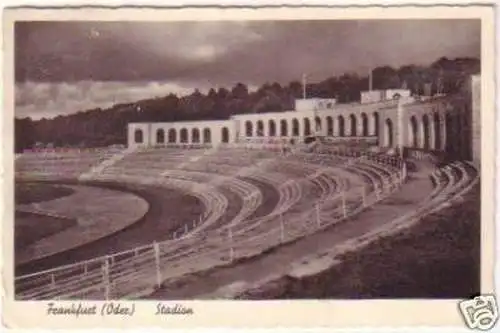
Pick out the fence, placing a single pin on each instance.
(139, 271)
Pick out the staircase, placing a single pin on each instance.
(96, 170)
(190, 160)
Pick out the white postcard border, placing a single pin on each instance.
(394, 313)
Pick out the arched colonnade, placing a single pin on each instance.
(342, 125)
(158, 134)
(428, 126)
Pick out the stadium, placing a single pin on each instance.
(257, 206)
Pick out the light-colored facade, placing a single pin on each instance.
(440, 123)
(315, 104)
(190, 132)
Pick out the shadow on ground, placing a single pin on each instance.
(437, 258)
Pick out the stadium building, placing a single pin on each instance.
(386, 118)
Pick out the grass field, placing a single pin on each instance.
(168, 210)
(437, 258)
(29, 227)
(26, 193)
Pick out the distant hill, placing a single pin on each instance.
(103, 127)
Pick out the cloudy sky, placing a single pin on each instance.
(65, 67)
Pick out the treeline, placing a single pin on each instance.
(103, 127)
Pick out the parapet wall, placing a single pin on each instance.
(476, 118)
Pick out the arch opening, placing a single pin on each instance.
(375, 123)
(307, 127)
(295, 127)
(354, 124)
(329, 126)
(172, 135)
(184, 135)
(437, 132)
(260, 128)
(364, 121)
(341, 126)
(389, 133)
(138, 136)
(283, 127)
(426, 132)
(207, 135)
(225, 135)
(248, 128)
(413, 132)
(160, 135)
(272, 128)
(195, 135)
(317, 124)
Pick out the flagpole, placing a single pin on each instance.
(370, 80)
(303, 86)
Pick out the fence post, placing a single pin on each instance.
(363, 193)
(318, 219)
(231, 250)
(156, 248)
(344, 207)
(52, 280)
(377, 191)
(282, 228)
(174, 235)
(106, 281)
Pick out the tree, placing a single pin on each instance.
(24, 134)
(101, 127)
(239, 91)
(295, 89)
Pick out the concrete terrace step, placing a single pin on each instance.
(279, 261)
(195, 249)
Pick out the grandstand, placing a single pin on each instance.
(261, 187)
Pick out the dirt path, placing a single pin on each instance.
(217, 283)
(152, 226)
(169, 210)
(99, 212)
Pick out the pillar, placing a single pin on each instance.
(442, 130)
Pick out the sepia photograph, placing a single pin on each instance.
(249, 160)
(201, 160)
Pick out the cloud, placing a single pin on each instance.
(226, 52)
(38, 100)
(47, 99)
(64, 67)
